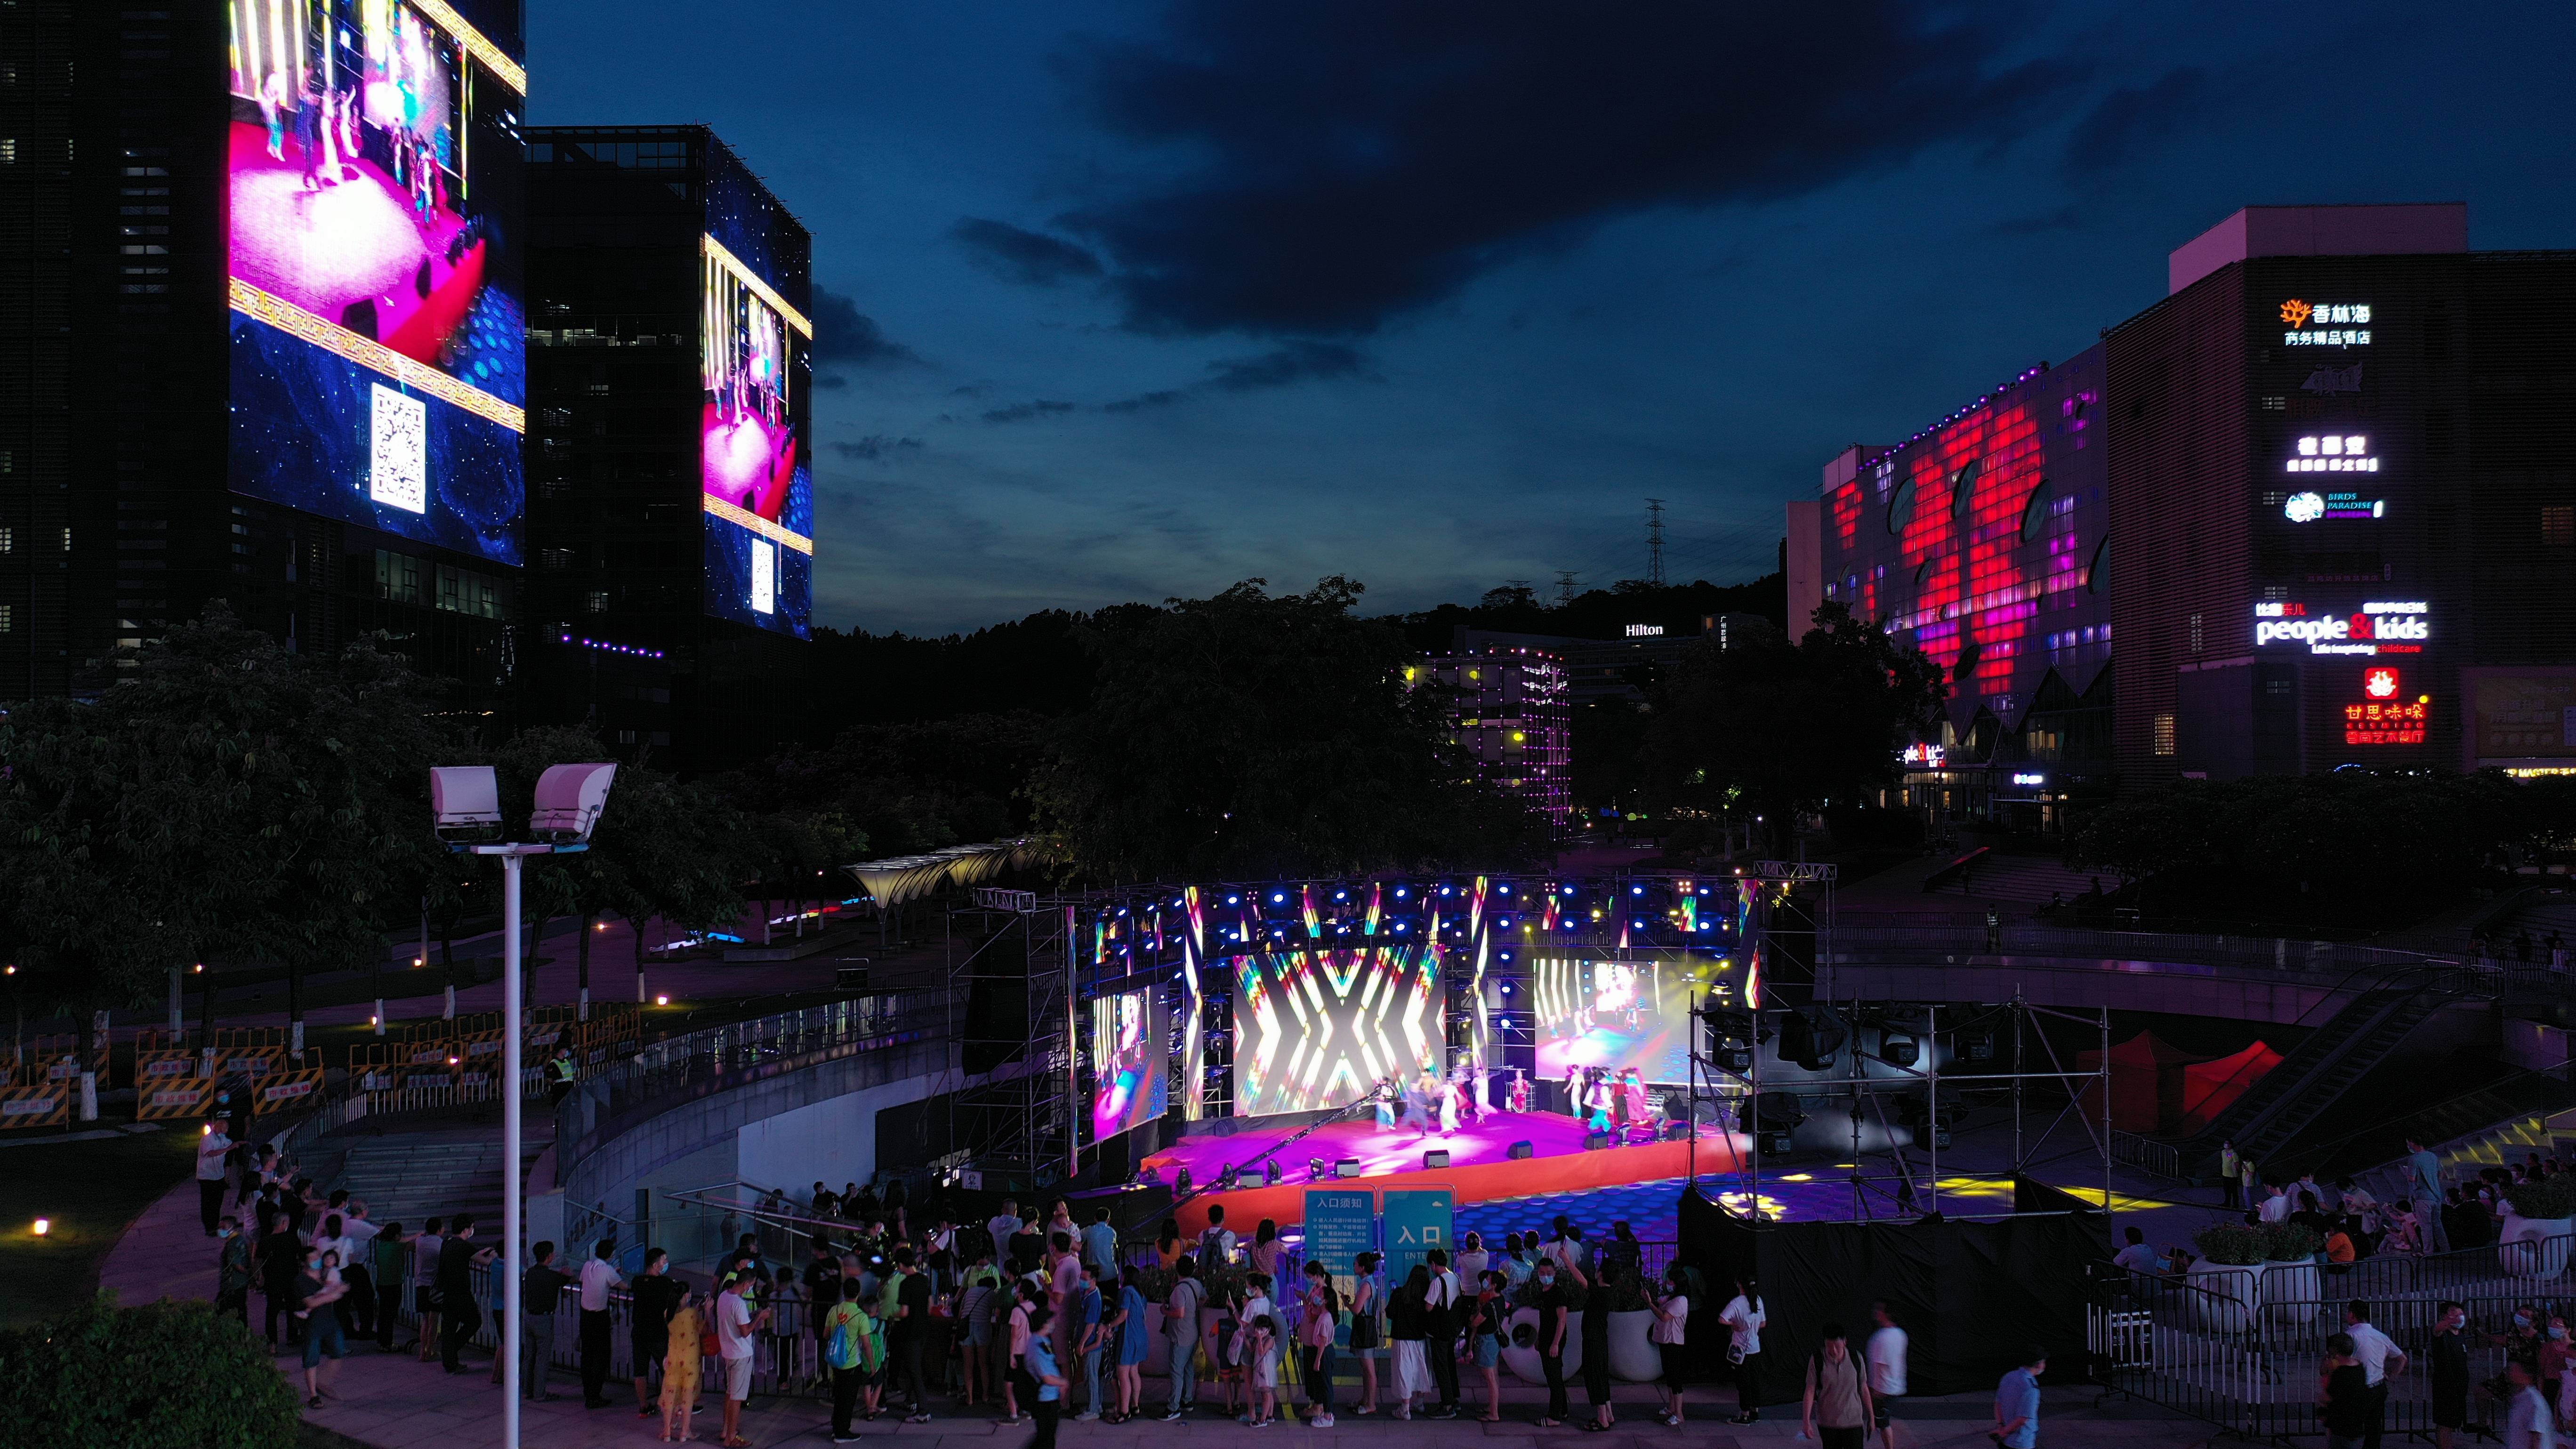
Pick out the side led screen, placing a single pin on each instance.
(1320, 1028)
(378, 340)
(757, 466)
(1620, 1014)
(1128, 1051)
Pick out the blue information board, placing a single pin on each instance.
(1341, 1224)
(1417, 1221)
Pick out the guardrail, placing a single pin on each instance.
(701, 1063)
(2163, 1159)
(1904, 945)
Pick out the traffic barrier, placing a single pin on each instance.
(47, 1105)
(165, 1066)
(159, 1099)
(285, 1090)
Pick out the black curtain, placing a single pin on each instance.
(1971, 1296)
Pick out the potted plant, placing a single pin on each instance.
(2540, 1216)
(2289, 1288)
(1633, 1356)
(2227, 1281)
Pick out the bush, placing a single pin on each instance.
(2232, 1243)
(2553, 1196)
(2291, 1242)
(167, 1375)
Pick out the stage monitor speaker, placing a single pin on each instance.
(1595, 1141)
(1347, 1167)
(1523, 1152)
(1434, 1159)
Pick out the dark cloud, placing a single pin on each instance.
(1021, 412)
(1297, 361)
(876, 446)
(2064, 218)
(2128, 116)
(846, 337)
(1023, 255)
(1369, 158)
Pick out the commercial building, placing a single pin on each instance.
(671, 532)
(2325, 465)
(260, 329)
(1510, 711)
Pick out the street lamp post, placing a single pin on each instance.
(467, 800)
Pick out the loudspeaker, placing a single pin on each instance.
(1435, 1158)
(1522, 1152)
(1595, 1141)
(1347, 1167)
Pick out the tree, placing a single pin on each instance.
(1774, 730)
(227, 798)
(165, 1375)
(1253, 734)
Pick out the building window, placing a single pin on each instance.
(2195, 633)
(556, 558)
(8, 617)
(2558, 525)
(2164, 734)
(599, 601)
(8, 539)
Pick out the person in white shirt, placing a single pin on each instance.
(1743, 1313)
(211, 1150)
(1004, 1226)
(1887, 1370)
(2527, 1424)
(1473, 1260)
(1668, 1333)
(2276, 1207)
(598, 1276)
(2379, 1359)
(735, 1325)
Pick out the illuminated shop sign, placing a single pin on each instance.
(2030, 779)
(1926, 756)
(2323, 324)
(2310, 507)
(1645, 631)
(2383, 718)
(2334, 453)
(2385, 627)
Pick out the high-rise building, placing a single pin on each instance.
(1509, 711)
(260, 328)
(2306, 511)
(671, 533)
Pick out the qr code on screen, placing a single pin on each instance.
(398, 452)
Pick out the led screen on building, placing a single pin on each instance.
(1618, 1013)
(1129, 1083)
(1317, 1028)
(757, 468)
(379, 364)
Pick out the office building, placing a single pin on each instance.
(260, 317)
(2315, 516)
(1509, 711)
(671, 529)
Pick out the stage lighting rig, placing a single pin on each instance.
(1810, 1036)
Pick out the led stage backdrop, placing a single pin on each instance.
(1128, 1052)
(1618, 1014)
(378, 339)
(1319, 1028)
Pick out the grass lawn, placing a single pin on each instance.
(89, 1191)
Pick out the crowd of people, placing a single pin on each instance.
(1030, 1318)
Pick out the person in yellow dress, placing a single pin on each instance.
(680, 1369)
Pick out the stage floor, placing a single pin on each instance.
(1481, 1168)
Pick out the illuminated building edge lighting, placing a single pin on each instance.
(476, 43)
(757, 524)
(715, 251)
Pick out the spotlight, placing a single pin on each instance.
(661, 1001)
(1899, 1051)
(44, 1226)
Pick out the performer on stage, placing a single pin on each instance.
(1449, 1094)
(1385, 1095)
(1640, 1111)
(1520, 1093)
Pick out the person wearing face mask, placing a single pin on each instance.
(1743, 1313)
(2450, 1409)
(2553, 1356)
(1554, 1303)
(233, 1272)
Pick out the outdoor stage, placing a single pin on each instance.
(1480, 1166)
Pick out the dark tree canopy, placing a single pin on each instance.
(1771, 728)
(1254, 735)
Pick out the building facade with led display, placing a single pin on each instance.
(671, 533)
(260, 329)
(1510, 711)
(2319, 518)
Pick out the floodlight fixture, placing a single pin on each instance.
(569, 799)
(464, 799)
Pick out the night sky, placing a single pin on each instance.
(1122, 301)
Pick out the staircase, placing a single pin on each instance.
(411, 1176)
(2024, 880)
(2511, 1140)
(2273, 1113)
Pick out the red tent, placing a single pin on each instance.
(2209, 1087)
(2146, 1082)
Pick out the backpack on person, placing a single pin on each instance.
(843, 1350)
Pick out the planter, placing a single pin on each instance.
(2224, 1295)
(1633, 1357)
(2534, 1247)
(1158, 1353)
(1520, 1350)
(2289, 1292)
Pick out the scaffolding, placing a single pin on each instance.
(1774, 936)
(1011, 1012)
